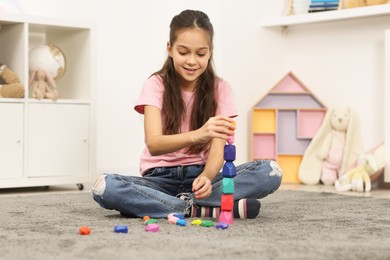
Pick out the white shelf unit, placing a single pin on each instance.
(329, 16)
(45, 142)
(339, 16)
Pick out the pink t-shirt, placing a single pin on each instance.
(152, 95)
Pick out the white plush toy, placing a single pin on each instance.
(331, 150)
(358, 179)
(363, 171)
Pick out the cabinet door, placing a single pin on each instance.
(11, 140)
(58, 140)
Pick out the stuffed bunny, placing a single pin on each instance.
(43, 86)
(331, 150)
(367, 168)
(358, 178)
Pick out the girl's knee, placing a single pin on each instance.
(269, 174)
(275, 174)
(267, 168)
(99, 185)
(100, 193)
(275, 169)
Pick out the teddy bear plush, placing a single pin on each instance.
(377, 2)
(10, 85)
(332, 148)
(354, 3)
(42, 85)
(359, 3)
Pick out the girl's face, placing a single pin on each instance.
(191, 53)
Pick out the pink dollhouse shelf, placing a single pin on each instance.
(283, 123)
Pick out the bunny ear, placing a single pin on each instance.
(32, 77)
(352, 142)
(50, 79)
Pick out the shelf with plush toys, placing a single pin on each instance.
(59, 50)
(71, 57)
(347, 10)
(46, 101)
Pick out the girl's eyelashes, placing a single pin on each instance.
(185, 53)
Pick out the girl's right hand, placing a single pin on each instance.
(216, 127)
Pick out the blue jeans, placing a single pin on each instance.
(156, 194)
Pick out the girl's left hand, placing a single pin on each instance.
(202, 187)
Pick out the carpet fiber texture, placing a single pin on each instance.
(291, 225)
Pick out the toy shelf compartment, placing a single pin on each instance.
(289, 163)
(20, 34)
(13, 48)
(264, 120)
(309, 121)
(289, 100)
(75, 44)
(264, 146)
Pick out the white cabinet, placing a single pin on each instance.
(11, 140)
(337, 18)
(45, 142)
(58, 140)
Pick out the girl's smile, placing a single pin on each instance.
(190, 71)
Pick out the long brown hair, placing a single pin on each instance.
(205, 105)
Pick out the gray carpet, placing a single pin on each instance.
(292, 225)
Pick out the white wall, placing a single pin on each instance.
(344, 69)
(131, 42)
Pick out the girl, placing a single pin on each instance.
(188, 117)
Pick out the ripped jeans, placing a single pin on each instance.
(157, 193)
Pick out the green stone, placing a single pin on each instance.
(151, 221)
(207, 223)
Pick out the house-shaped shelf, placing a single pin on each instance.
(283, 123)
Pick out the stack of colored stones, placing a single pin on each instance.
(228, 173)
